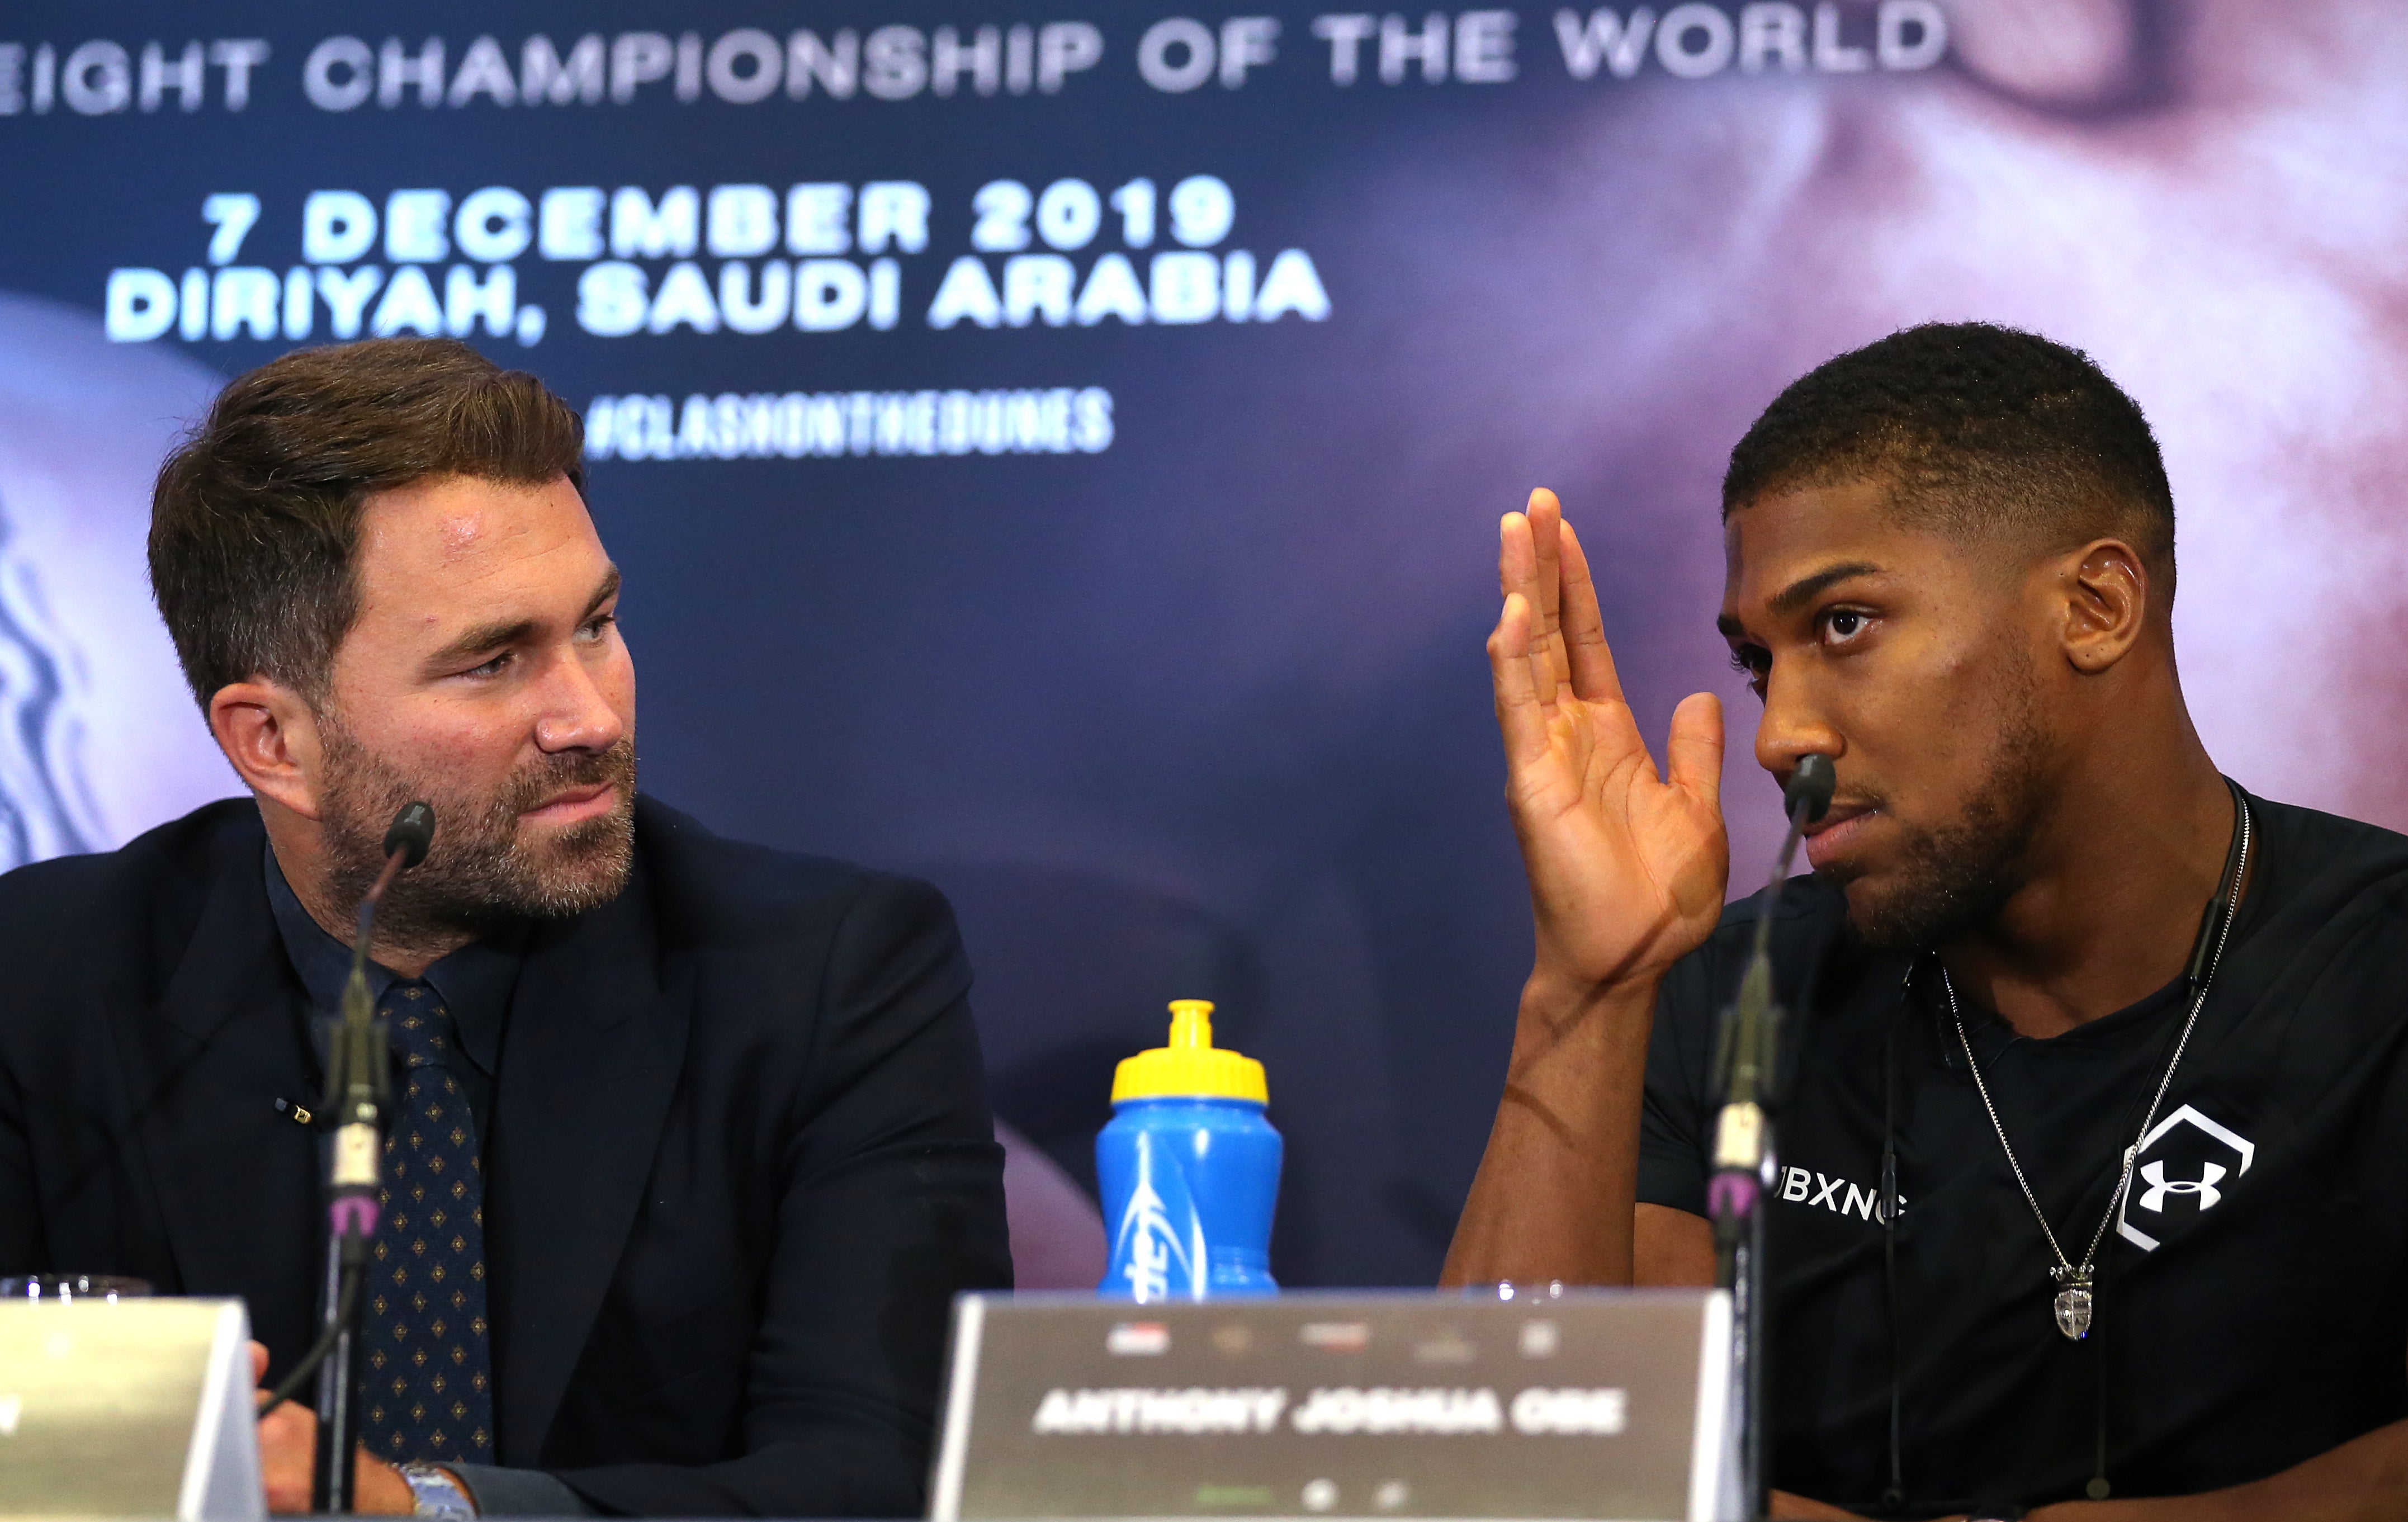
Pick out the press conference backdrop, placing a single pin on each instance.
(1058, 450)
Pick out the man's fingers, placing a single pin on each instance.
(288, 1446)
(1515, 571)
(1694, 755)
(1521, 715)
(1546, 518)
(1518, 576)
(1589, 659)
(258, 1363)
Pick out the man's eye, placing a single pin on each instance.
(1842, 624)
(593, 628)
(490, 668)
(1752, 662)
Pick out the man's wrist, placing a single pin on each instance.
(377, 1488)
(1558, 1013)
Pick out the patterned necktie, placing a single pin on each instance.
(426, 1388)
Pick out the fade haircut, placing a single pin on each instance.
(256, 519)
(1988, 434)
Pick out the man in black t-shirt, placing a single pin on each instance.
(2129, 1041)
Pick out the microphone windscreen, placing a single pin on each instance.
(414, 832)
(1810, 788)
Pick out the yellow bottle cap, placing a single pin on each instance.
(1190, 1067)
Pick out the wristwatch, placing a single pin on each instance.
(436, 1491)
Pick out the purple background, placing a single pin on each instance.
(1206, 714)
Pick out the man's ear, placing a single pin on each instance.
(270, 734)
(2105, 588)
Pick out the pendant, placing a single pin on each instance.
(2073, 1303)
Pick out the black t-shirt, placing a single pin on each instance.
(2251, 1311)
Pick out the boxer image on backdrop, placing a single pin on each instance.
(2144, 1251)
(689, 1150)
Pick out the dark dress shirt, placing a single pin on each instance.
(475, 983)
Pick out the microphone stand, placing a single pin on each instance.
(358, 1099)
(1743, 1162)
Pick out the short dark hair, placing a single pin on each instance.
(1984, 431)
(254, 522)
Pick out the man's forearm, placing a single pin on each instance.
(1556, 1186)
(2364, 1480)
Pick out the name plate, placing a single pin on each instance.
(139, 1408)
(1598, 1404)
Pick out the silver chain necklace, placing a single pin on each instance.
(2074, 1303)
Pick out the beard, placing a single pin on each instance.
(1954, 876)
(485, 869)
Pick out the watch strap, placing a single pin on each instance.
(436, 1491)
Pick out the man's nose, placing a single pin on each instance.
(1792, 726)
(577, 715)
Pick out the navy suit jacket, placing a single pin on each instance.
(741, 1159)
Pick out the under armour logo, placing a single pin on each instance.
(2203, 1189)
(2154, 1197)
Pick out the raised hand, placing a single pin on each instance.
(1626, 870)
(1626, 865)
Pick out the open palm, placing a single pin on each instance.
(1626, 865)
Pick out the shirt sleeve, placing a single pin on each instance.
(1675, 1117)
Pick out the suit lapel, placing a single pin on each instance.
(236, 1182)
(590, 1062)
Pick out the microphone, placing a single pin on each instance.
(414, 832)
(358, 1097)
(1810, 786)
(1744, 1056)
(1743, 1162)
(359, 1069)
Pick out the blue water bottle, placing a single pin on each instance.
(1190, 1170)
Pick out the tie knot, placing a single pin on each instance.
(420, 1027)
